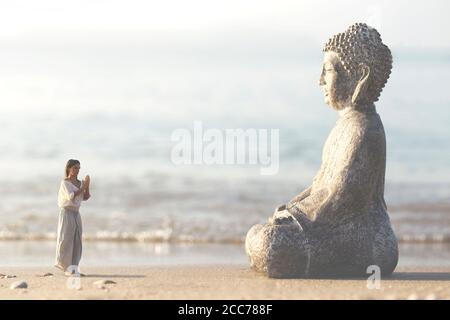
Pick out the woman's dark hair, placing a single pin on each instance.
(70, 164)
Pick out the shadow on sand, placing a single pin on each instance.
(420, 276)
(125, 276)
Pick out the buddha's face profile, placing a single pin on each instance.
(336, 83)
(355, 68)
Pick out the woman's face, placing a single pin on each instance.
(335, 82)
(74, 170)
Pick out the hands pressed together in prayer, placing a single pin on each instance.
(85, 187)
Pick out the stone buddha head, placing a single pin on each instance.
(355, 69)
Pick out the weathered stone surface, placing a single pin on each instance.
(339, 225)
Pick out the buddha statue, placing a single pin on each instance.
(338, 226)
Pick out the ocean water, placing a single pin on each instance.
(124, 254)
(116, 108)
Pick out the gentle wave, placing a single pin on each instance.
(159, 236)
(167, 236)
(424, 238)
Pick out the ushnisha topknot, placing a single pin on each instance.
(361, 43)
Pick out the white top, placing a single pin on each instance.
(66, 195)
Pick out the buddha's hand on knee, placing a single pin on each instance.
(282, 217)
(276, 213)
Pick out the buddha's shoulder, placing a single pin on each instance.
(366, 121)
(365, 127)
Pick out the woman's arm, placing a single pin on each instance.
(86, 183)
(78, 192)
(87, 195)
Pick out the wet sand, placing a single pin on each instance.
(217, 282)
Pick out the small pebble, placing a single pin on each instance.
(103, 282)
(6, 276)
(19, 285)
(48, 274)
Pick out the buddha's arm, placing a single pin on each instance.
(305, 193)
(352, 179)
(291, 204)
(280, 210)
(350, 189)
(294, 204)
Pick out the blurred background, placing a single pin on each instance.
(107, 82)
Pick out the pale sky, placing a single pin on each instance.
(168, 62)
(178, 56)
(402, 23)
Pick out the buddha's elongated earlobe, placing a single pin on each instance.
(361, 87)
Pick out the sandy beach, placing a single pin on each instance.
(217, 282)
